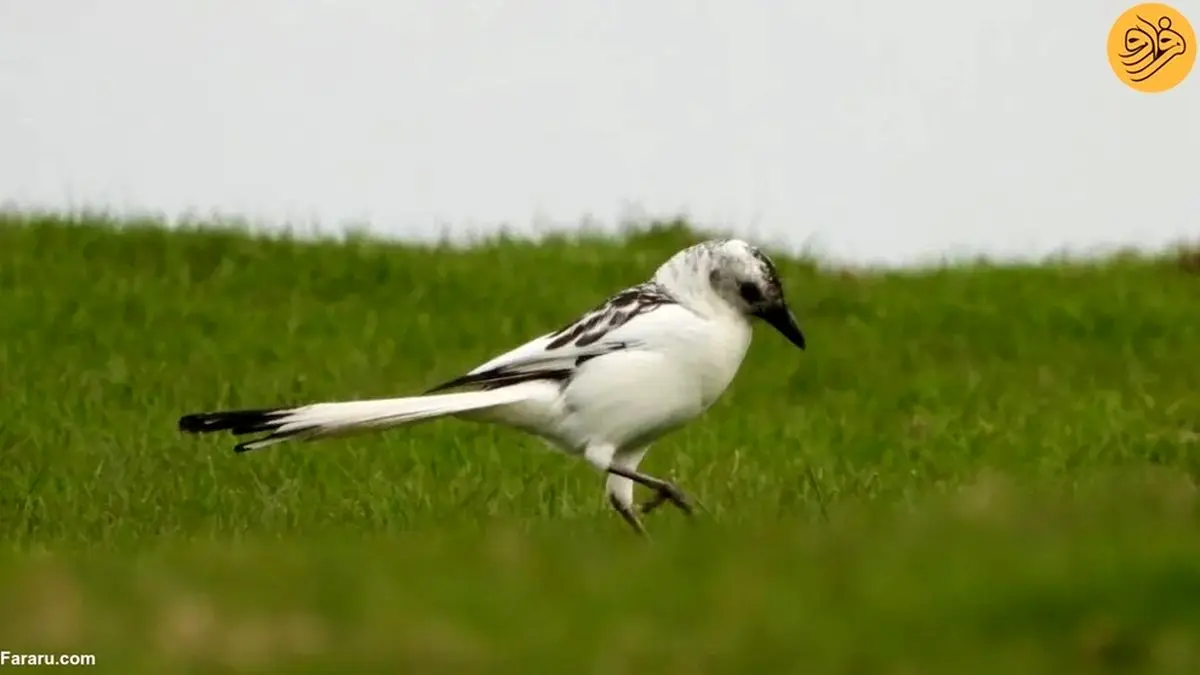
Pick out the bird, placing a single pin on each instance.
(604, 387)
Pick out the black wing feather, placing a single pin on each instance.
(502, 377)
(584, 331)
(616, 312)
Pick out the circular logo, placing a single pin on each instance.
(1151, 47)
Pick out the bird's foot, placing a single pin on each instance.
(664, 493)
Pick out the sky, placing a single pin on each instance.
(869, 131)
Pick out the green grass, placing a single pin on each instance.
(974, 469)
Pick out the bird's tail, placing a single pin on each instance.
(324, 420)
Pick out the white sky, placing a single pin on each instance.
(875, 130)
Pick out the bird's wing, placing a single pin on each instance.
(630, 319)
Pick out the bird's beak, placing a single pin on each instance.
(782, 320)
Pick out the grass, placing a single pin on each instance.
(972, 469)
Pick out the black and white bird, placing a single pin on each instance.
(605, 386)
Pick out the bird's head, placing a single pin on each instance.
(740, 276)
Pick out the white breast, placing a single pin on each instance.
(720, 355)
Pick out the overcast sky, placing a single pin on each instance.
(874, 130)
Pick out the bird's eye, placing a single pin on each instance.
(750, 292)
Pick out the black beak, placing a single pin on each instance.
(782, 320)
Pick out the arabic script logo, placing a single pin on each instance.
(1151, 47)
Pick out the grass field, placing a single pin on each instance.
(971, 470)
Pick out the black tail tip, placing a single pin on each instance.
(195, 423)
(199, 423)
(236, 421)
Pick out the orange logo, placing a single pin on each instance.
(1151, 47)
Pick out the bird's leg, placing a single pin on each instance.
(653, 503)
(664, 491)
(621, 467)
(628, 514)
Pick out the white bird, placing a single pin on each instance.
(605, 386)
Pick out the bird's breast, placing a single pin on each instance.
(720, 355)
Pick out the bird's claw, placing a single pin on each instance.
(667, 492)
